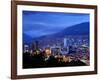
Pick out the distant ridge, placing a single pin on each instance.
(78, 29)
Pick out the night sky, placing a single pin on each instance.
(36, 24)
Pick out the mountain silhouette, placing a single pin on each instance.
(78, 29)
(26, 38)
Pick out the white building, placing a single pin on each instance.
(65, 42)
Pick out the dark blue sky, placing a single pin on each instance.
(36, 24)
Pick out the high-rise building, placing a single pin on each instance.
(26, 48)
(35, 45)
(65, 42)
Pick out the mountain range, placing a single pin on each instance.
(78, 29)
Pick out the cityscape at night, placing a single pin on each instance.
(55, 39)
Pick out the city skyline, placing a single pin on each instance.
(55, 39)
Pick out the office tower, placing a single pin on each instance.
(65, 42)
